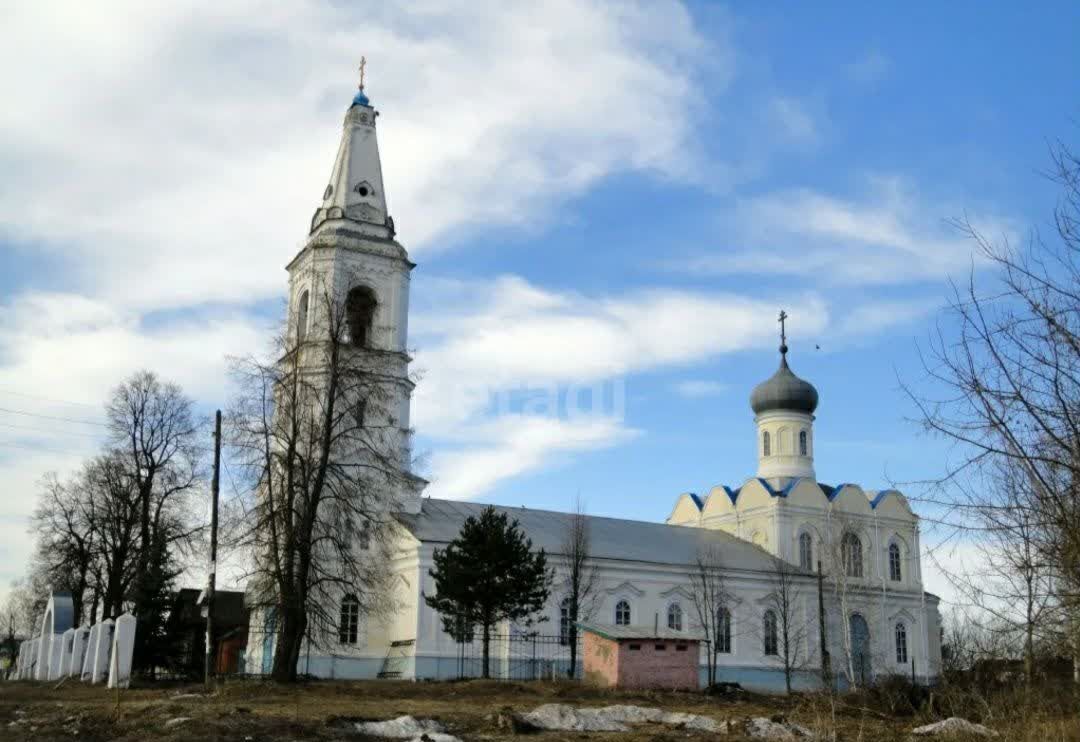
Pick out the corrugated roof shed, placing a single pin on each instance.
(440, 521)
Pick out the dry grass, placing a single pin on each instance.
(251, 711)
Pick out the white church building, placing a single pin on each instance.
(879, 620)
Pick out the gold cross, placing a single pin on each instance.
(363, 64)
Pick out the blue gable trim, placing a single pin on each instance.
(781, 492)
(881, 496)
(697, 500)
(836, 491)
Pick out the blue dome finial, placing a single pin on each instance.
(360, 98)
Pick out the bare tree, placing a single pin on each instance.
(709, 595)
(843, 567)
(786, 602)
(154, 433)
(1009, 376)
(314, 430)
(113, 508)
(581, 578)
(1011, 581)
(65, 548)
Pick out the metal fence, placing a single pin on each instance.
(518, 656)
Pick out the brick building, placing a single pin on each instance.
(639, 657)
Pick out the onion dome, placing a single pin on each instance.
(360, 99)
(784, 391)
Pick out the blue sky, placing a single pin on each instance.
(609, 195)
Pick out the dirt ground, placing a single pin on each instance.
(253, 711)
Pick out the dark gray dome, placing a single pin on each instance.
(784, 391)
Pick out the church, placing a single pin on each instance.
(849, 555)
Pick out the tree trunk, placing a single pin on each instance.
(573, 651)
(289, 641)
(487, 650)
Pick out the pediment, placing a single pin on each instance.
(624, 588)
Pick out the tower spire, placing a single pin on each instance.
(355, 191)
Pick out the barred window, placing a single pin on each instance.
(769, 632)
(851, 550)
(894, 563)
(901, 644)
(674, 617)
(723, 630)
(806, 551)
(349, 623)
(802, 442)
(564, 622)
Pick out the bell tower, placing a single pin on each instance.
(353, 259)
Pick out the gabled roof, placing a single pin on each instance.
(440, 521)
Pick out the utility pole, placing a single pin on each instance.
(215, 486)
(826, 670)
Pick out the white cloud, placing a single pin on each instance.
(512, 445)
(185, 145)
(512, 334)
(75, 349)
(481, 344)
(791, 118)
(889, 235)
(699, 388)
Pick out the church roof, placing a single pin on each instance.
(440, 521)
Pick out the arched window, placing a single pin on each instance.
(360, 313)
(802, 442)
(895, 573)
(564, 622)
(806, 551)
(360, 412)
(364, 539)
(301, 316)
(674, 617)
(851, 550)
(349, 621)
(766, 448)
(901, 644)
(723, 630)
(769, 634)
(622, 613)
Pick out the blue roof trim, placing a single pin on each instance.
(697, 500)
(785, 491)
(836, 490)
(881, 496)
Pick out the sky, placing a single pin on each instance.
(608, 204)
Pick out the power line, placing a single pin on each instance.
(53, 417)
(95, 436)
(50, 399)
(44, 449)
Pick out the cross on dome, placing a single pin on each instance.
(783, 334)
(361, 99)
